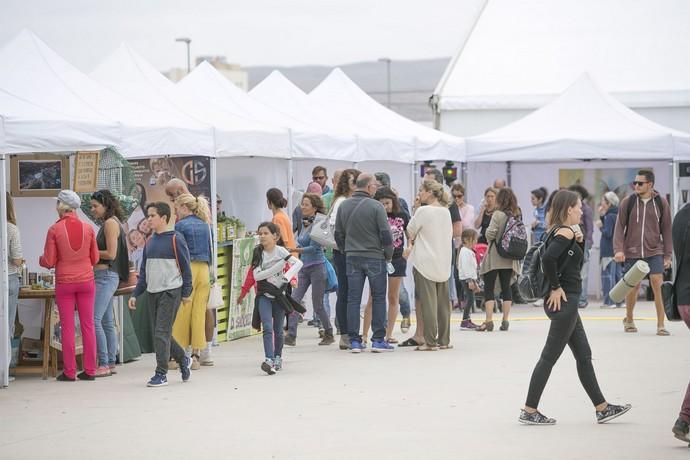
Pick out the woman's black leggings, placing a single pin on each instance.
(566, 329)
(504, 276)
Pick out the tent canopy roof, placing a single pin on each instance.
(582, 123)
(521, 54)
(338, 92)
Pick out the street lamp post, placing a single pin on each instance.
(388, 80)
(186, 41)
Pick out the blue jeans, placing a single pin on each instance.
(106, 336)
(272, 320)
(340, 266)
(359, 269)
(610, 275)
(404, 301)
(314, 276)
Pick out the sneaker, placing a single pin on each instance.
(680, 430)
(405, 325)
(327, 339)
(612, 411)
(206, 359)
(381, 346)
(290, 340)
(322, 332)
(103, 371)
(583, 305)
(84, 376)
(196, 365)
(278, 363)
(355, 346)
(467, 325)
(158, 380)
(535, 418)
(538, 303)
(186, 369)
(268, 366)
(63, 378)
(344, 343)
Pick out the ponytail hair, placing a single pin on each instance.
(541, 193)
(276, 198)
(198, 205)
(436, 189)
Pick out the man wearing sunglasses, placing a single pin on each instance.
(643, 232)
(320, 176)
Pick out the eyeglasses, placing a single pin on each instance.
(639, 183)
(318, 177)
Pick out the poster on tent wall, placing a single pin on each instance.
(151, 176)
(599, 181)
(240, 316)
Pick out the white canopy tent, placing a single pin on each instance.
(38, 75)
(583, 123)
(340, 94)
(281, 94)
(130, 75)
(207, 84)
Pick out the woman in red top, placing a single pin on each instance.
(72, 250)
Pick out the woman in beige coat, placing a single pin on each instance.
(494, 266)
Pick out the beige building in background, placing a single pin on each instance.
(233, 72)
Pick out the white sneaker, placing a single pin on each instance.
(538, 303)
(205, 358)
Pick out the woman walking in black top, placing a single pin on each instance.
(561, 263)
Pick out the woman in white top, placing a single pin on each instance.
(15, 261)
(431, 233)
(343, 191)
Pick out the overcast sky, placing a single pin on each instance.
(249, 32)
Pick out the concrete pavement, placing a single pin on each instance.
(460, 403)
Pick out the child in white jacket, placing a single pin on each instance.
(468, 275)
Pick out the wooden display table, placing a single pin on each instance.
(48, 295)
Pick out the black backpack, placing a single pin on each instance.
(532, 283)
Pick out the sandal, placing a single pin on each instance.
(486, 327)
(629, 326)
(409, 343)
(662, 331)
(426, 348)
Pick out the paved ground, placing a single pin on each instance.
(461, 403)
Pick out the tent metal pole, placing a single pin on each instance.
(5, 349)
(509, 172)
(290, 185)
(675, 173)
(214, 219)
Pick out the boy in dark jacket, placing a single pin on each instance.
(166, 276)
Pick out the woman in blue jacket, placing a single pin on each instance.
(313, 271)
(611, 271)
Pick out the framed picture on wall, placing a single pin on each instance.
(39, 174)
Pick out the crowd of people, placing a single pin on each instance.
(456, 256)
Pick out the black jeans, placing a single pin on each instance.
(566, 329)
(340, 266)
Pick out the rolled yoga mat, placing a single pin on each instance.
(636, 274)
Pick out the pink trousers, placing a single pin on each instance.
(81, 295)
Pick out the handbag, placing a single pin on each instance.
(215, 295)
(331, 278)
(668, 288)
(323, 232)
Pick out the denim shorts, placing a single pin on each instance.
(656, 264)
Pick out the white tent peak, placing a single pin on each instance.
(583, 122)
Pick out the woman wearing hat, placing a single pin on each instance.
(71, 249)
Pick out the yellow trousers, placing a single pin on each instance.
(190, 323)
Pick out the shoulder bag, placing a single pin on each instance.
(215, 296)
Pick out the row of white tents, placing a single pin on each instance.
(48, 105)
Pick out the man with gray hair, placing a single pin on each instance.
(611, 271)
(364, 236)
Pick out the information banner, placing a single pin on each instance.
(240, 316)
